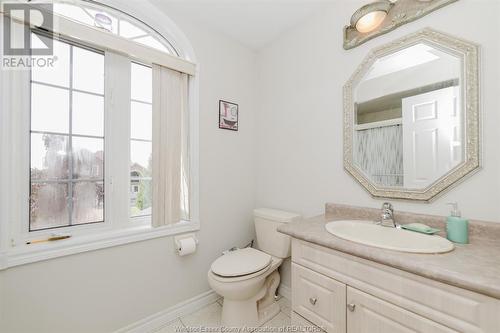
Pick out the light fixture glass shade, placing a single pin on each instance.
(370, 21)
(370, 16)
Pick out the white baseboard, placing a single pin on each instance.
(285, 291)
(157, 320)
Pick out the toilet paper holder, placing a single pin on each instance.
(178, 238)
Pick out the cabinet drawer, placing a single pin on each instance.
(369, 314)
(319, 299)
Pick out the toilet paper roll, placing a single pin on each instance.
(186, 246)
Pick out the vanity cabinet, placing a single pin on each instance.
(342, 293)
(338, 308)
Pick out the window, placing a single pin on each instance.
(78, 141)
(114, 22)
(67, 140)
(140, 140)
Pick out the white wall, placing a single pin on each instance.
(299, 133)
(104, 290)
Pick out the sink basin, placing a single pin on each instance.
(369, 233)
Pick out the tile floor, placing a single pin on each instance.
(209, 316)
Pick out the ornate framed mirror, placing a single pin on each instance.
(411, 116)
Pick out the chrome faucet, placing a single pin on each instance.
(387, 216)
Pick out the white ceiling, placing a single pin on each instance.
(254, 23)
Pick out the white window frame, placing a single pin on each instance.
(117, 229)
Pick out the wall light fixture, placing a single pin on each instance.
(381, 16)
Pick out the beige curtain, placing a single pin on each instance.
(170, 145)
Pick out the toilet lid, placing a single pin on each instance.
(241, 262)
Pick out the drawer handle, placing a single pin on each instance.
(351, 307)
(313, 300)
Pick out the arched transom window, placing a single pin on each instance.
(115, 22)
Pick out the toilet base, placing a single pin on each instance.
(241, 313)
(255, 311)
(268, 313)
(246, 314)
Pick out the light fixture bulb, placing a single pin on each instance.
(370, 16)
(370, 21)
(103, 21)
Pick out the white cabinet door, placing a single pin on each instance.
(319, 299)
(368, 314)
(432, 136)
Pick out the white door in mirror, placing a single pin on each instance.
(432, 136)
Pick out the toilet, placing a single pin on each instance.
(248, 278)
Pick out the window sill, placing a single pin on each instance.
(79, 244)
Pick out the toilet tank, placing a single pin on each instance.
(269, 239)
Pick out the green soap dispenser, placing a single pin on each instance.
(457, 228)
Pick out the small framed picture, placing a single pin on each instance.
(228, 115)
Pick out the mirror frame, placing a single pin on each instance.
(468, 52)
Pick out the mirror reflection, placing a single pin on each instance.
(409, 120)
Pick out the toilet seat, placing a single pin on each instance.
(240, 263)
(236, 279)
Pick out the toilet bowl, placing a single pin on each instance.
(242, 292)
(248, 278)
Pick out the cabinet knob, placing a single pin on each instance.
(351, 307)
(313, 300)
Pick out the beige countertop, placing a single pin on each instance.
(474, 266)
